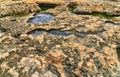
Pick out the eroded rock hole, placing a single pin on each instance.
(98, 14)
(72, 6)
(110, 23)
(118, 52)
(45, 6)
(2, 29)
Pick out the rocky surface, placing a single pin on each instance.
(100, 7)
(76, 43)
(8, 7)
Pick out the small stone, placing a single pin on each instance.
(4, 55)
(29, 64)
(40, 38)
(32, 48)
(58, 46)
(90, 64)
(23, 35)
(56, 57)
(36, 74)
(13, 72)
(16, 56)
(109, 51)
(31, 37)
(4, 66)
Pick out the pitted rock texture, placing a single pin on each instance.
(12, 8)
(55, 1)
(99, 6)
(70, 45)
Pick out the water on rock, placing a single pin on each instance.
(60, 33)
(36, 32)
(41, 18)
(67, 33)
(53, 32)
(57, 33)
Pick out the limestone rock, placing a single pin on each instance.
(99, 7)
(70, 45)
(17, 8)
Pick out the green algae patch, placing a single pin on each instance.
(98, 14)
(71, 9)
(21, 15)
(44, 8)
(104, 15)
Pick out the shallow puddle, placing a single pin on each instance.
(36, 32)
(67, 33)
(60, 33)
(41, 18)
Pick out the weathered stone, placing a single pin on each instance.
(17, 8)
(99, 7)
(13, 73)
(70, 45)
(29, 64)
